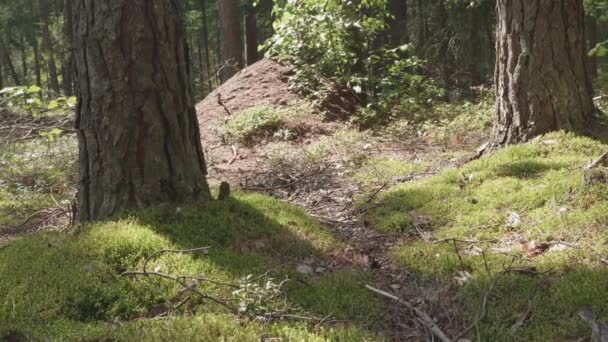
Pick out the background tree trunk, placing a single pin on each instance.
(47, 43)
(398, 26)
(68, 65)
(541, 81)
(137, 128)
(205, 33)
(231, 43)
(36, 47)
(6, 60)
(251, 35)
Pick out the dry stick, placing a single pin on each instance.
(428, 321)
(221, 103)
(463, 240)
(235, 155)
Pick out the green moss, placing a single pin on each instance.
(341, 295)
(69, 287)
(530, 193)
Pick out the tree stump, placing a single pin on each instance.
(597, 171)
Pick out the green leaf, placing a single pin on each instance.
(33, 89)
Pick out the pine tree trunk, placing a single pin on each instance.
(231, 44)
(137, 129)
(47, 43)
(541, 81)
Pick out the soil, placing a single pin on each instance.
(326, 194)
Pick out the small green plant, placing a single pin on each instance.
(29, 98)
(255, 299)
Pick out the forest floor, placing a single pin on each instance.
(333, 171)
(506, 247)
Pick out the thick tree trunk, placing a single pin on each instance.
(251, 36)
(47, 43)
(231, 43)
(137, 128)
(541, 81)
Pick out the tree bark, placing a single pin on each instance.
(231, 44)
(137, 128)
(541, 80)
(47, 43)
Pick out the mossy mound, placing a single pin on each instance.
(55, 286)
(519, 221)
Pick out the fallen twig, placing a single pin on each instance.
(289, 185)
(235, 155)
(187, 286)
(428, 321)
(469, 241)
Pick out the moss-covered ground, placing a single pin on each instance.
(517, 229)
(67, 285)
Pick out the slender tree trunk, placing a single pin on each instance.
(1, 76)
(205, 32)
(541, 81)
(251, 36)
(421, 37)
(47, 43)
(476, 52)
(36, 48)
(5, 55)
(68, 65)
(23, 48)
(137, 128)
(231, 43)
(398, 25)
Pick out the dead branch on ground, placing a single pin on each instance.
(424, 318)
